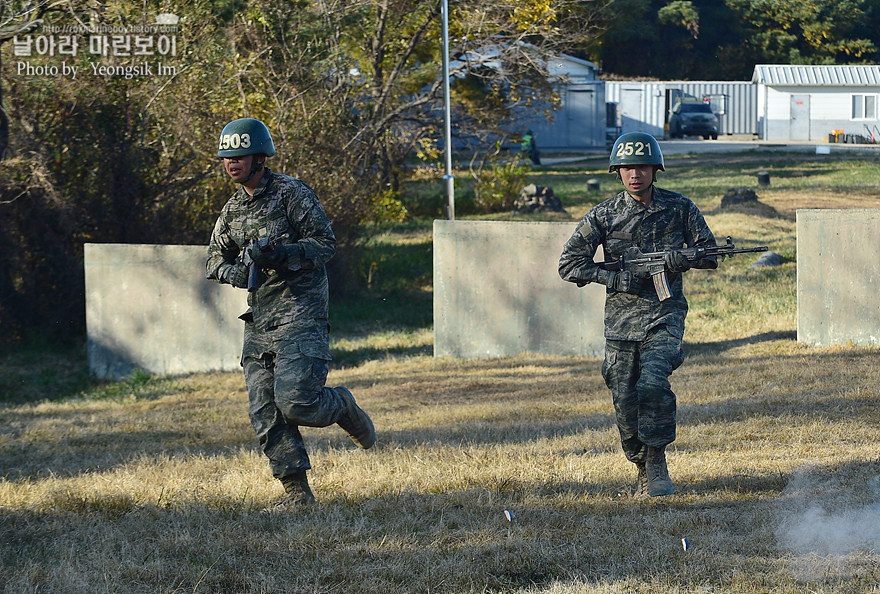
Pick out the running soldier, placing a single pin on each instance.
(643, 333)
(273, 238)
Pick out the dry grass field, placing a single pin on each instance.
(497, 475)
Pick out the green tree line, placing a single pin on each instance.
(723, 40)
(350, 89)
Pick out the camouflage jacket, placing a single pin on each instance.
(299, 293)
(672, 221)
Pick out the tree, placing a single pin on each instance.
(814, 32)
(86, 163)
(347, 87)
(710, 40)
(18, 17)
(683, 13)
(353, 87)
(678, 40)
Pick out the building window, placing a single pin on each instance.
(864, 107)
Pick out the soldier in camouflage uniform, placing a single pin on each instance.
(286, 349)
(643, 334)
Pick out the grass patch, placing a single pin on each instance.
(776, 464)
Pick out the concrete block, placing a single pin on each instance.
(149, 307)
(497, 292)
(838, 277)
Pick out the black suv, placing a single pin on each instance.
(693, 118)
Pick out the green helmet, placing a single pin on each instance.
(636, 148)
(245, 136)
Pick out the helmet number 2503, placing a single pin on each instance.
(234, 141)
(627, 149)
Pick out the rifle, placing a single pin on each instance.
(653, 263)
(263, 245)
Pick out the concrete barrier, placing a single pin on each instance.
(838, 277)
(497, 292)
(149, 307)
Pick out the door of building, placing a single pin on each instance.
(582, 114)
(631, 109)
(799, 124)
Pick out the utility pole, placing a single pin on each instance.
(448, 180)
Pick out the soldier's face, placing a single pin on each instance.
(637, 179)
(239, 168)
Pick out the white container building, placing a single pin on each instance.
(818, 103)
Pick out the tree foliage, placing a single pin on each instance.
(809, 32)
(683, 13)
(711, 40)
(348, 89)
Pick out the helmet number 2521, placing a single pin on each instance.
(234, 141)
(626, 149)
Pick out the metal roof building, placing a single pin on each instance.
(789, 75)
(644, 106)
(819, 103)
(579, 123)
(782, 102)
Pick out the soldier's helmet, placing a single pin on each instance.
(245, 136)
(636, 148)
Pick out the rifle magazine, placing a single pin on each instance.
(661, 285)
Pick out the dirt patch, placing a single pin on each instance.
(788, 204)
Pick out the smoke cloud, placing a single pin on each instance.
(828, 525)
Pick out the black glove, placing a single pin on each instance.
(622, 281)
(273, 257)
(236, 275)
(675, 261)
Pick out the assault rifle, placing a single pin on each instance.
(262, 245)
(653, 263)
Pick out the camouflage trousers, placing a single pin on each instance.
(285, 392)
(637, 373)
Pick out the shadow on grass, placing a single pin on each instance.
(355, 357)
(714, 348)
(372, 312)
(44, 371)
(756, 209)
(379, 324)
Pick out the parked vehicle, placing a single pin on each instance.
(693, 118)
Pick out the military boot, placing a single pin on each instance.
(659, 482)
(641, 481)
(355, 421)
(296, 492)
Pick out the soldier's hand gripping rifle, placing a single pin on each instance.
(653, 264)
(260, 253)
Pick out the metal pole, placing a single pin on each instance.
(448, 180)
